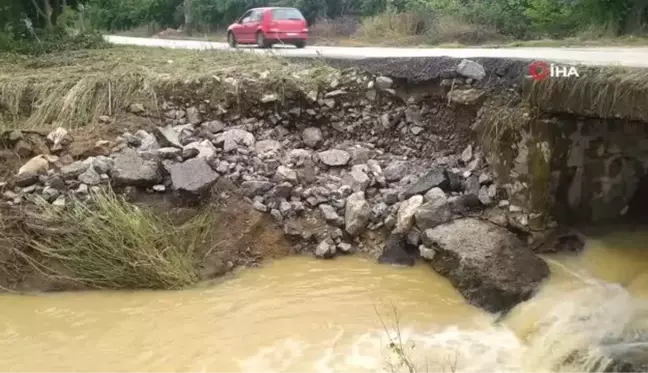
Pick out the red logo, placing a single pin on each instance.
(539, 70)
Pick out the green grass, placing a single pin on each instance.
(76, 88)
(111, 244)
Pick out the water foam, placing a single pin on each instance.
(585, 330)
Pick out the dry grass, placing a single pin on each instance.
(76, 88)
(612, 92)
(417, 29)
(112, 244)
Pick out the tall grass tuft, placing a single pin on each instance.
(113, 244)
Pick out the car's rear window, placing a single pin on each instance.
(282, 14)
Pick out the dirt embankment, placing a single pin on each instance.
(319, 159)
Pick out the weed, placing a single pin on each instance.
(110, 243)
(76, 88)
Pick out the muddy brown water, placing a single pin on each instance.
(301, 314)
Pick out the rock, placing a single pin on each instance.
(489, 265)
(26, 179)
(131, 169)
(434, 212)
(358, 179)
(90, 177)
(561, 240)
(472, 185)
(73, 170)
(466, 96)
(405, 215)
(193, 115)
(426, 252)
(215, 126)
(276, 215)
(82, 189)
(235, 138)
(268, 147)
(357, 213)
(384, 82)
(434, 178)
(330, 215)
(390, 196)
(205, 149)
(148, 142)
(334, 157)
(492, 191)
(50, 194)
(286, 174)
(259, 206)
(325, 249)
(58, 139)
(467, 154)
(168, 137)
(395, 252)
(471, 69)
(137, 108)
(23, 149)
(59, 202)
(312, 137)
(298, 156)
(15, 135)
(103, 164)
(345, 248)
(268, 98)
(38, 165)
(455, 181)
(191, 152)
(253, 188)
(416, 130)
(483, 196)
(485, 178)
(434, 194)
(194, 176)
(160, 188)
(395, 171)
(170, 153)
(285, 208)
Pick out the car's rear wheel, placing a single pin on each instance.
(261, 40)
(300, 44)
(231, 40)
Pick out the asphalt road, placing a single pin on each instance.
(622, 56)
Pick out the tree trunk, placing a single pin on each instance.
(188, 16)
(635, 17)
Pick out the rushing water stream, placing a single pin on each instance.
(302, 314)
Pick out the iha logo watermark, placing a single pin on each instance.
(541, 70)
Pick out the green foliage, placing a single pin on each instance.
(52, 41)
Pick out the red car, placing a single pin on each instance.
(268, 26)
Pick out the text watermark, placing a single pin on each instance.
(541, 70)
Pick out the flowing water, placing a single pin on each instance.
(301, 314)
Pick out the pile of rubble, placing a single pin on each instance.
(344, 166)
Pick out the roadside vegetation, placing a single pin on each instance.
(78, 87)
(39, 26)
(109, 243)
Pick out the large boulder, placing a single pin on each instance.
(193, 177)
(132, 169)
(434, 212)
(405, 215)
(489, 265)
(357, 213)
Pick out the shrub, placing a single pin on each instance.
(110, 243)
(394, 26)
